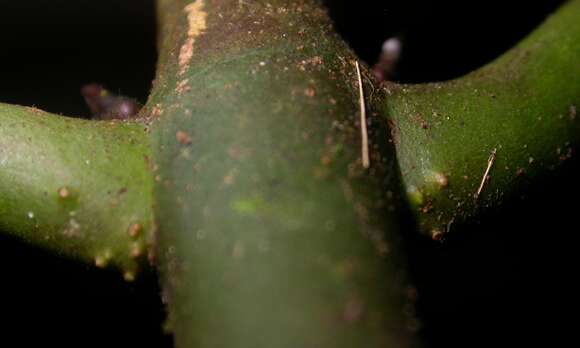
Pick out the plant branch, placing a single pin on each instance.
(523, 105)
(271, 233)
(79, 188)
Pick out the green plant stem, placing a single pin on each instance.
(78, 188)
(270, 232)
(521, 106)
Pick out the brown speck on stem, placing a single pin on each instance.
(442, 180)
(427, 207)
(325, 160)
(156, 111)
(437, 235)
(100, 261)
(63, 192)
(134, 230)
(136, 250)
(310, 92)
(183, 138)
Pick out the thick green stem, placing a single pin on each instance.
(521, 107)
(270, 232)
(79, 188)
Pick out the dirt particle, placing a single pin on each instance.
(310, 92)
(520, 172)
(427, 207)
(572, 112)
(102, 260)
(33, 109)
(314, 61)
(156, 111)
(73, 229)
(437, 235)
(183, 138)
(326, 160)
(442, 180)
(136, 250)
(63, 192)
(134, 230)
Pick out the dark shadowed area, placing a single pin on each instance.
(507, 281)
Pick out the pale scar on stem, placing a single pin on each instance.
(197, 22)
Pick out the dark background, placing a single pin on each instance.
(504, 282)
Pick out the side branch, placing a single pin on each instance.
(80, 188)
(523, 104)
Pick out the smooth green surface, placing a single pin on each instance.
(75, 187)
(523, 105)
(270, 233)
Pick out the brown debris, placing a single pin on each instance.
(183, 138)
(134, 230)
(310, 92)
(63, 192)
(437, 235)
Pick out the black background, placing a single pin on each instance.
(504, 282)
